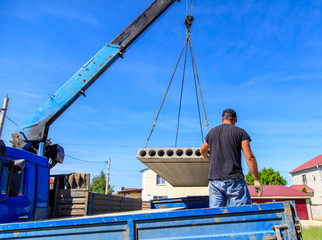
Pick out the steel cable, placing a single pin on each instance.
(180, 103)
(175, 69)
(197, 97)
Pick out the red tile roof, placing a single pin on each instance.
(313, 162)
(300, 187)
(51, 181)
(277, 190)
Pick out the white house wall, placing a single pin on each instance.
(317, 212)
(151, 189)
(314, 181)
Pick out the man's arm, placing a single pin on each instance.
(204, 150)
(252, 165)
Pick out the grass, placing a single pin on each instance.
(312, 233)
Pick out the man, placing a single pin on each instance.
(226, 178)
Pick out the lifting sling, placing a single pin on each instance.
(188, 22)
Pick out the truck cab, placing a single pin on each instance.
(24, 185)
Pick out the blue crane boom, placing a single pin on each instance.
(35, 129)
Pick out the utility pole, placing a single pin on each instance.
(3, 113)
(107, 175)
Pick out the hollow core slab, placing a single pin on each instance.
(181, 167)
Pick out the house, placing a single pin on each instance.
(155, 187)
(51, 183)
(280, 193)
(309, 176)
(130, 192)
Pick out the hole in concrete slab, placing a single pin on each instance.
(189, 152)
(169, 153)
(179, 152)
(160, 153)
(197, 152)
(142, 153)
(152, 153)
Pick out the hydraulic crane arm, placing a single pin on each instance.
(35, 129)
(141, 23)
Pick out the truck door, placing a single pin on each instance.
(21, 207)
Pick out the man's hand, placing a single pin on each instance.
(258, 188)
(204, 150)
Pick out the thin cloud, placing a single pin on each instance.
(29, 95)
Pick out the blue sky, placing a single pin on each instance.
(261, 58)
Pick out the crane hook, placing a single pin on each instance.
(188, 21)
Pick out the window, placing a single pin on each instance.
(160, 197)
(5, 173)
(160, 180)
(4, 177)
(304, 179)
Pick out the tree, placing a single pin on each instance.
(267, 177)
(304, 190)
(99, 183)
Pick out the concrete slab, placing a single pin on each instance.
(181, 167)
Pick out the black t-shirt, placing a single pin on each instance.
(225, 152)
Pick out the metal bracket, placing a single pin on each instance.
(82, 92)
(277, 230)
(120, 54)
(298, 227)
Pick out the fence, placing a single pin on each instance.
(80, 201)
(77, 202)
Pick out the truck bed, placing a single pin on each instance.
(264, 221)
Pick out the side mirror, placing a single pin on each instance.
(17, 173)
(19, 165)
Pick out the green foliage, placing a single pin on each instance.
(99, 183)
(304, 190)
(267, 177)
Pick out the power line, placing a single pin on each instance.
(106, 162)
(12, 121)
(82, 160)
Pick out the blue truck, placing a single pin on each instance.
(25, 208)
(25, 171)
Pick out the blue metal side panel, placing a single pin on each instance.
(244, 222)
(208, 227)
(187, 202)
(73, 87)
(90, 231)
(41, 193)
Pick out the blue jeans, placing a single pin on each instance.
(234, 191)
